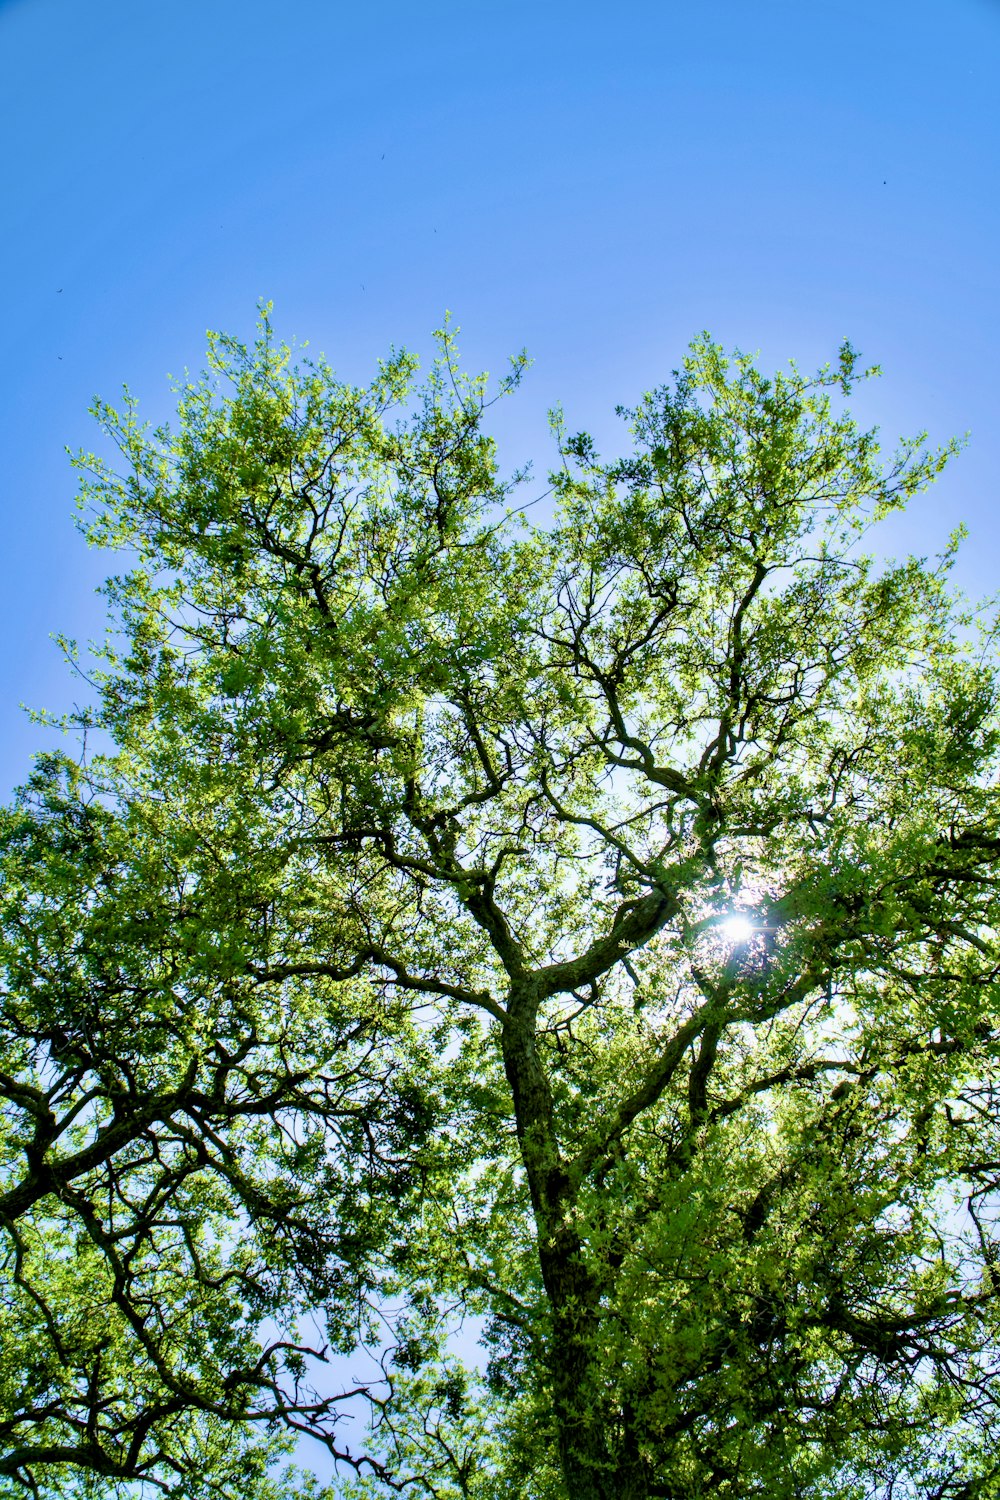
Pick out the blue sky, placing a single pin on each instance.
(595, 182)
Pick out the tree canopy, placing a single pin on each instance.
(582, 929)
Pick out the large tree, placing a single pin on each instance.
(590, 927)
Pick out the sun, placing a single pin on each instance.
(737, 928)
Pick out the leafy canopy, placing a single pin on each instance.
(587, 927)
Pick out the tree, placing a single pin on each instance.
(181, 1143)
(588, 926)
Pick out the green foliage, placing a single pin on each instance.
(382, 974)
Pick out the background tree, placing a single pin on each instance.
(638, 872)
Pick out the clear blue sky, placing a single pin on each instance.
(596, 182)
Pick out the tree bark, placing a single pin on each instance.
(590, 1465)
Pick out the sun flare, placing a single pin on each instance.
(737, 928)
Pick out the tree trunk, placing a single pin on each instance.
(591, 1468)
